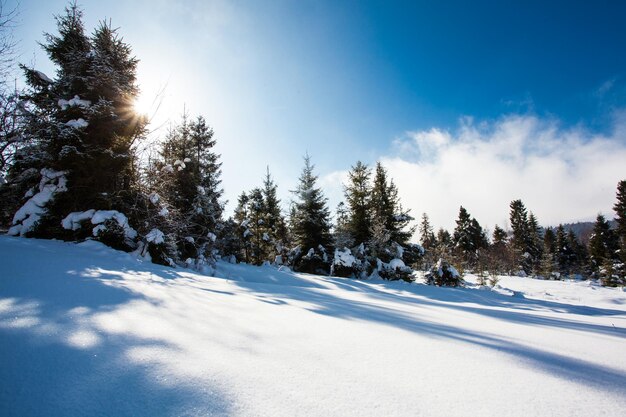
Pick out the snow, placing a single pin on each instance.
(27, 216)
(73, 102)
(396, 263)
(154, 198)
(155, 236)
(77, 123)
(344, 257)
(73, 220)
(102, 216)
(86, 330)
(43, 77)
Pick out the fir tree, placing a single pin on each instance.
(548, 264)
(81, 124)
(388, 219)
(468, 238)
(188, 171)
(243, 232)
(341, 234)
(564, 254)
(521, 240)
(535, 241)
(428, 241)
(310, 222)
(387, 210)
(620, 218)
(275, 225)
(358, 194)
(603, 244)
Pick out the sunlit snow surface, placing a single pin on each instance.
(85, 330)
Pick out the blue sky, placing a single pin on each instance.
(376, 80)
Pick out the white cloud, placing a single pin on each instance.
(562, 175)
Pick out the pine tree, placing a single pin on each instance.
(522, 237)
(427, 236)
(81, 126)
(564, 254)
(499, 254)
(444, 244)
(468, 238)
(275, 225)
(188, 183)
(620, 218)
(388, 220)
(535, 242)
(243, 232)
(603, 244)
(358, 194)
(257, 227)
(387, 209)
(428, 242)
(548, 264)
(341, 235)
(310, 222)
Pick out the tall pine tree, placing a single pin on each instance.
(310, 222)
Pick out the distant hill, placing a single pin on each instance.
(583, 230)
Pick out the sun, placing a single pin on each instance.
(144, 104)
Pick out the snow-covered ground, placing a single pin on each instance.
(85, 330)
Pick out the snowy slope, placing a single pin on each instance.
(85, 330)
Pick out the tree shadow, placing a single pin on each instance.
(54, 361)
(326, 302)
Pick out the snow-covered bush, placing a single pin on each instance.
(444, 275)
(108, 226)
(315, 261)
(395, 270)
(27, 217)
(345, 264)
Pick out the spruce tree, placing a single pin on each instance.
(243, 232)
(387, 210)
(341, 234)
(521, 240)
(620, 218)
(188, 183)
(535, 242)
(275, 226)
(603, 244)
(82, 126)
(428, 242)
(389, 236)
(548, 264)
(564, 254)
(310, 222)
(468, 238)
(358, 194)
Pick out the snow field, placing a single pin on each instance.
(86, 330)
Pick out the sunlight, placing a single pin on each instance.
(145, 104)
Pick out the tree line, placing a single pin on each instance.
(71, 170)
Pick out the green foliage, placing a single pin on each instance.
(310, 219)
